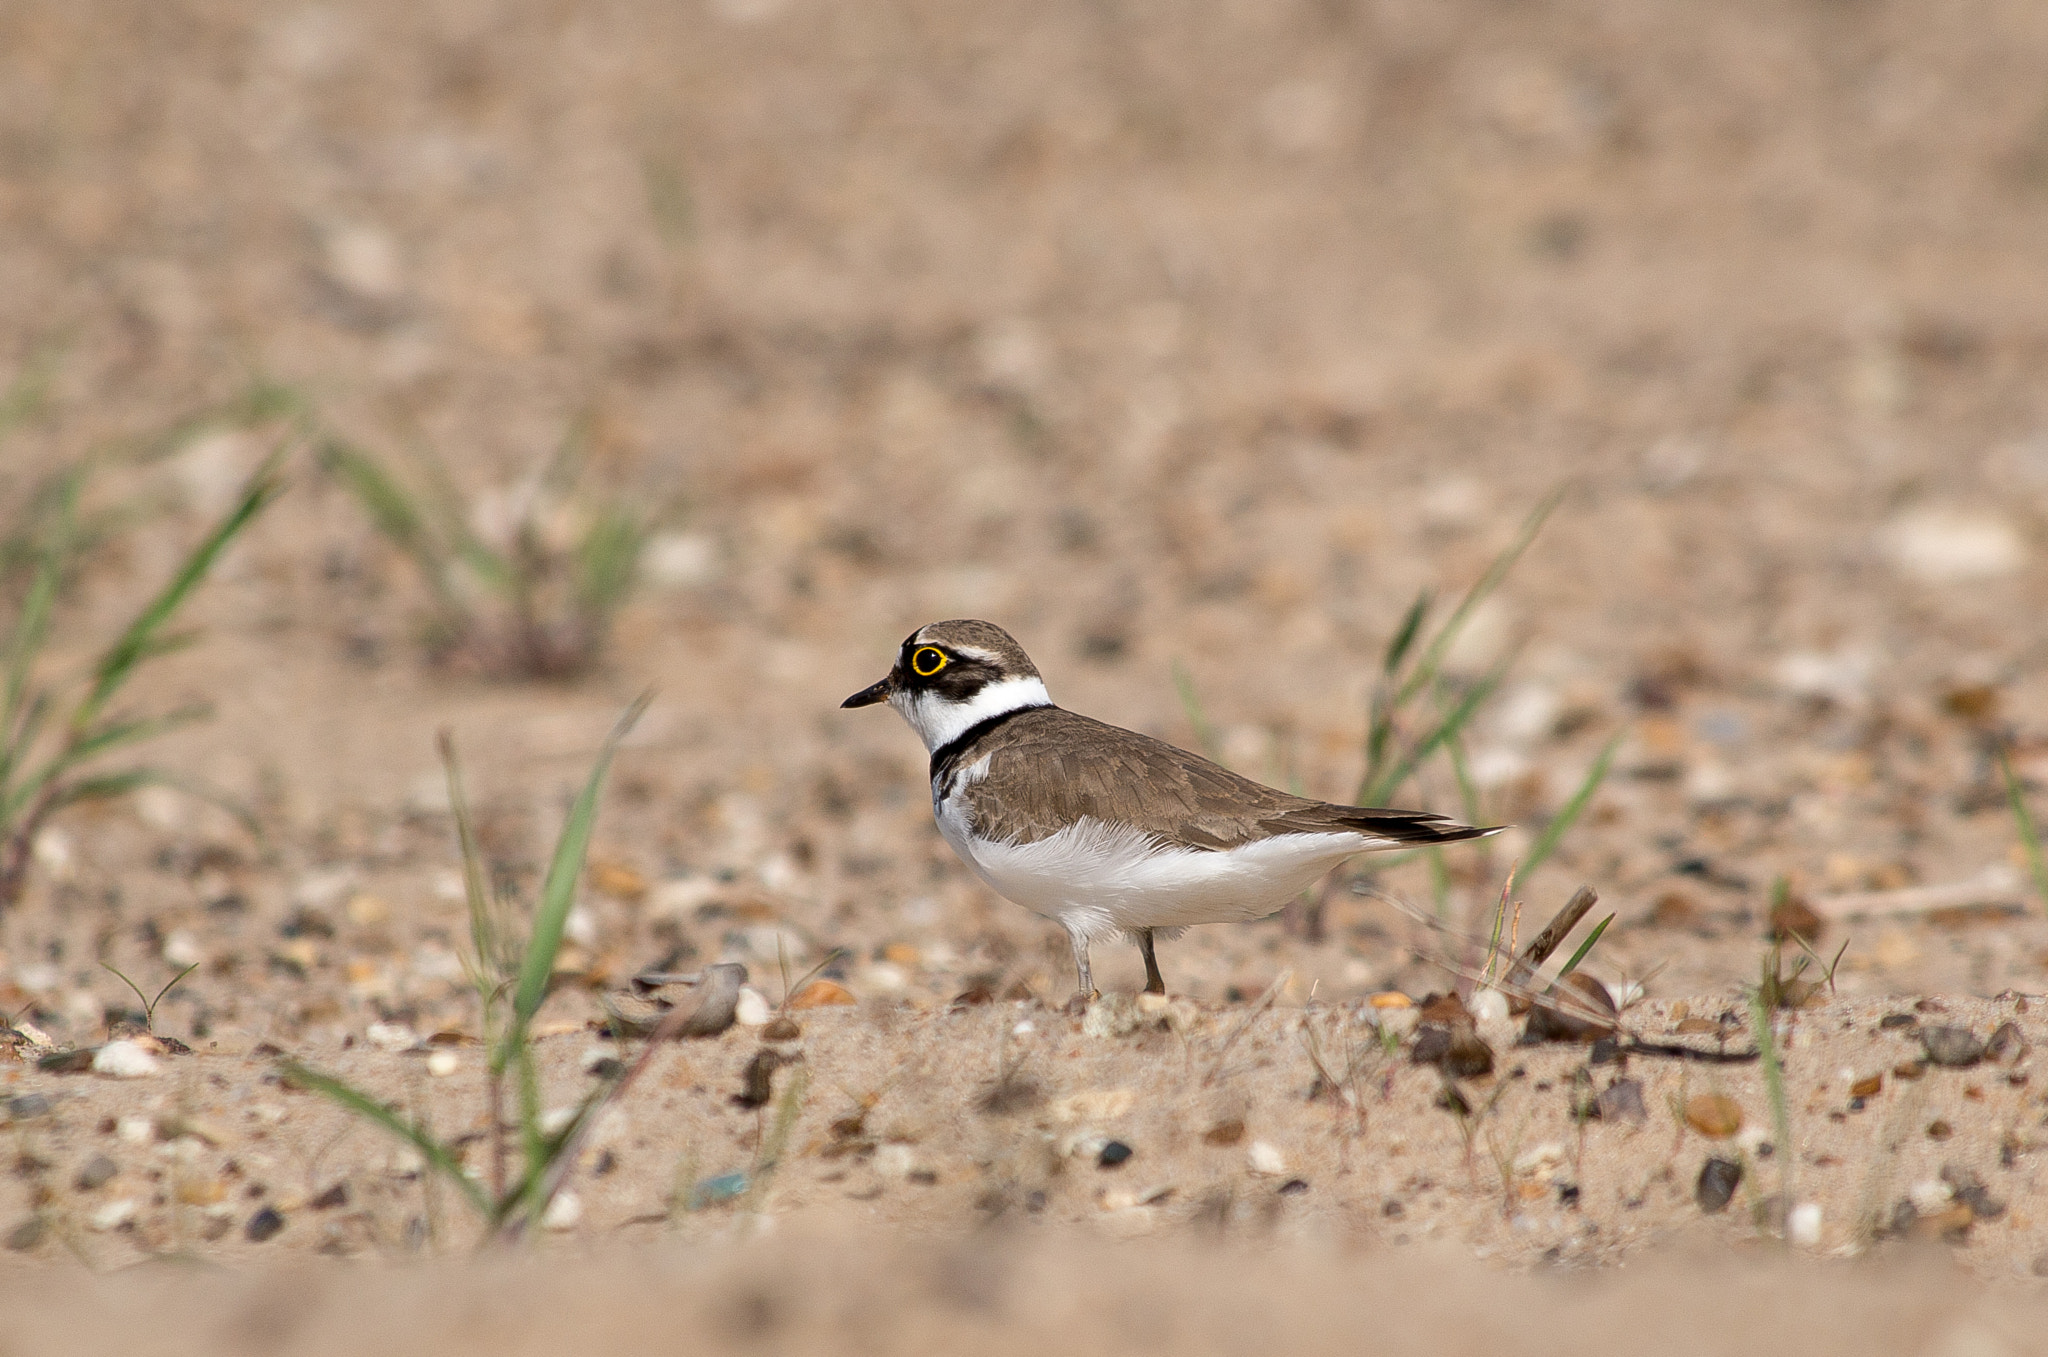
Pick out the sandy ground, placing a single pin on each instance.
(1207, 342)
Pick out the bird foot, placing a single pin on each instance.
(1077, 1007)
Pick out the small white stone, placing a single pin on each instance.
(430, 962)
(115, 1214)
(679, 897)
(884, 977)
(1489, 1005)
(679, 560)
(580, 927)
(442, 1063)
(37, 977)
(363, 259)
(319, 890)
(1841, 675)
(563, 1212)
(1396, 1022)
(1265, 1159)
(1497, 765)
(1952, 546)
(1541, 1159)
(1023, 1029)
(135, 1130)
(1930, 1196)
(391, 1036)
(182, 949)
(1802, 1226)
(895, 1161)
(596, 1056)
(124, 1060)
(556, 1120)
(753, 1008)
(55, 855)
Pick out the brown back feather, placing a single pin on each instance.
(1049, 767)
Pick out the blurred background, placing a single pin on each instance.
(1208, 336)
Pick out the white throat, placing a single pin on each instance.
(939, 722)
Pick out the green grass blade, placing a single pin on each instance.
(1585, 948)
(492, 568)
(19, 742)
(2030, 836)
(1405, 634)
(1446, 728)
(115, 734)
(110, 785)
(1191, 703)
(558, 892)
(607, 560)
(118, 664)
(392, 509)
(439, 1156)
(1468, 790)
(488, 968)
(29, 392)
(1431, 663)
(32, 625)
(1561, 823)
(532, 1141)
(107, 738)
(1774, 1087)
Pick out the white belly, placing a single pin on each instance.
(1097, 878)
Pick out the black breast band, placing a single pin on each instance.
(948, 755)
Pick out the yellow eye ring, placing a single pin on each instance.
(927, 660)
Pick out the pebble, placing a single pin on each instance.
(124, 1060)
(443, 1062)
(1717, 1183)
(711, 1191)
(1489, 1005)
(1953, 1047)
(1622, 1100)
(1264, 1159)
(1587, 1015)
(263, 1225)
(1802, 1225)
(1937, 545)
(1113, 1155)
(391, 1036)
(136, 1130)
(1714, 1115)
(96, 1172)
(116, 1213)
(822, 993)
(753, 1008)
(24, 1106)
(1226, 1132)
(896, 1161)
(26, 1235)
(563, 1212)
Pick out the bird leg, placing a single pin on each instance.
(1155, 983)
(1086, 993)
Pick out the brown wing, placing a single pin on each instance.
(1050, 767)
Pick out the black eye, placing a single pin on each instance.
(928, 660)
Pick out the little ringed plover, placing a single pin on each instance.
(1102, 830)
